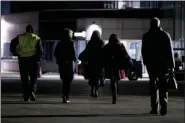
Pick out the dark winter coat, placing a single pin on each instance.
(65, 55)
(93, 55)
(157, 51)
(115, 58)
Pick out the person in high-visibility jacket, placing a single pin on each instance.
(178, 62)
(29, 50)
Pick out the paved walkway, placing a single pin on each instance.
(83, 109)
(52, 76)
(51, 84)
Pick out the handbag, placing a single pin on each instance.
(83, 56)
(172, 83)
(84, 70)
(122, 74)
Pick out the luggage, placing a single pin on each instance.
(172, 83)
(83, 70)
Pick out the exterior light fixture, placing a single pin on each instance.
(92, 28)
(80, 34)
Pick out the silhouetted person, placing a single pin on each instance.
(65, 55)
(178, 62)
(115, 59)
(158, 57)
(28, 48)
(92, 56)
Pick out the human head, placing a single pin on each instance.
(95, 35)
(67, 33)
(155, 22)
(176, 55)
(29, 28)
(113, 39)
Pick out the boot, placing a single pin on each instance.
(163, 111)
(67, 98)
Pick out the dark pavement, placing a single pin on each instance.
(83, 109)
(51, 84)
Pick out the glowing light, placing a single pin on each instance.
(5, 27)
(90, 30)
(80, 34)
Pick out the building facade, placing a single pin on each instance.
(128, 19)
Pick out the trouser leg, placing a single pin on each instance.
(97, 84)
(114, 90)
(68, 88)
(96, 89)
(25, 80)
(91, 83)
(64, 88)
(94, 83)
(163, 92)
(33, 78)
(114, 87)
(153, 93)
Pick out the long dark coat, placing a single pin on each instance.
(115, 58)
(93, 55)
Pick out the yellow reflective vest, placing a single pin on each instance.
(27, 44)
(178, 60)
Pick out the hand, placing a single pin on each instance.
(66, 62)
(171, 71)
(78, 62)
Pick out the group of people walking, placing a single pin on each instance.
(101, 60)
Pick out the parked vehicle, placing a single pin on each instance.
(136, 71)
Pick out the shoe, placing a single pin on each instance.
(92, 94)
(26, 97)
(32, 97)
(163, 111)
(96, 95)
(64, 99)
(68, 101)
(153, 112)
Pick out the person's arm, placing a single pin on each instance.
(13, 46)
(73, 52)
(127, 57)
(40, 50)
(171, 61)
(143, 50)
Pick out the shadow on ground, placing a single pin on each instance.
(80, 115)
